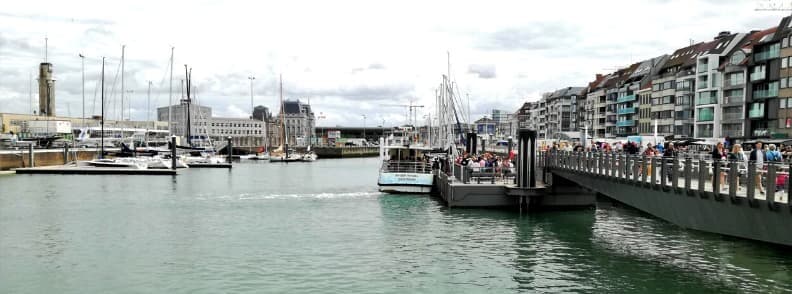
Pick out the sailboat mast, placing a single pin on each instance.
(283, 114)
(122, 83)
(188, 125)
(170, 96)
(101, 122)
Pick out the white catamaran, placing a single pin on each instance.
(405, 168)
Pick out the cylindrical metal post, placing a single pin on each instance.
(65, 153)
(173, 152)
(230, 149)
(770, 187)
(31, 157)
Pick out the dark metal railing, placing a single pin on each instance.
(396, 166)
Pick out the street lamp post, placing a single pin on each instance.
(251, 78)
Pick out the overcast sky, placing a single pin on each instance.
(348, 58)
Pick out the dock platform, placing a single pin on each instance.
(210, 165)
(73, 170)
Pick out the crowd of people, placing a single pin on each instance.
(487, 162)
(758, 154)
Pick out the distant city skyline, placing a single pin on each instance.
(348, 59)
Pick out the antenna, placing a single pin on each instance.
(46, 41)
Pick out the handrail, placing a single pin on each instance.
(696, 175)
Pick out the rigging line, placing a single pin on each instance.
(112, 90)
(96, 90)
(161, 85)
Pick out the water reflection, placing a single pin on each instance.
(706, 258)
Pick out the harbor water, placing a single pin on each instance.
(322, 227)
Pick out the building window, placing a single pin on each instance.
(784, 62)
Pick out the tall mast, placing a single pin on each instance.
(148, 104)
(283, 119)
(188, 125)
(170, 96)
(101, 122)
(122, 82)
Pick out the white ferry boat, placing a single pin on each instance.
(405, 168)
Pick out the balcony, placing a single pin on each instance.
(628, 110)
(703, 67)
(761, 94)
(627, 98)
(733, 82)
(704, 100)
(705, 115)
(757, 76)
(733, 100)
(733, 116)
(761, 56)
(756, 113)
(626, 123)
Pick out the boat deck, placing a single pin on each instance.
(89, 170)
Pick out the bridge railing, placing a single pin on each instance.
(720, 179)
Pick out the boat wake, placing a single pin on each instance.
(258, 196)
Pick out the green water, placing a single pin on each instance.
(322, 227)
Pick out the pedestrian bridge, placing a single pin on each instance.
(720, 197)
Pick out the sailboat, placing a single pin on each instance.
(283, 153)
(114, 162)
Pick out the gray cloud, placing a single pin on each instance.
(51, 18)
(376, 66)
(483, 71)
(536, 36)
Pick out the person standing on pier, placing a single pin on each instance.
(758, 156)
(742, 161)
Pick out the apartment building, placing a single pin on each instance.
(764, 67)
(709, 81)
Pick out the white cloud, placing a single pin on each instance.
(349, 57)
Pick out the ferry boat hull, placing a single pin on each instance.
(419, 183)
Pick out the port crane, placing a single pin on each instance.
(410, 107)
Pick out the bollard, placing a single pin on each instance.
(644, 168)
(230, 149)
(734, 180)
(664, 173)
(702, 179)
(688, 175)
(675, 174)
(173, 152)
(751, 182)
(655, 167)
(31, 157)
(770, 188)
(65, 153)
(716, 183)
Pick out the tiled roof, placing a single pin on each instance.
(755, 37)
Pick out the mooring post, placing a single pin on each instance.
(664, 174)
(644, 168)
(230, 149)
(655, 167)
(637, 169)
(770, 187)
(31, 157)
(675, 173)
(702, 178)
(527, 154)
(688, 173)
(66, 153)
(173, 152)
(751, 181)
(734, 180)
(716, 182)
